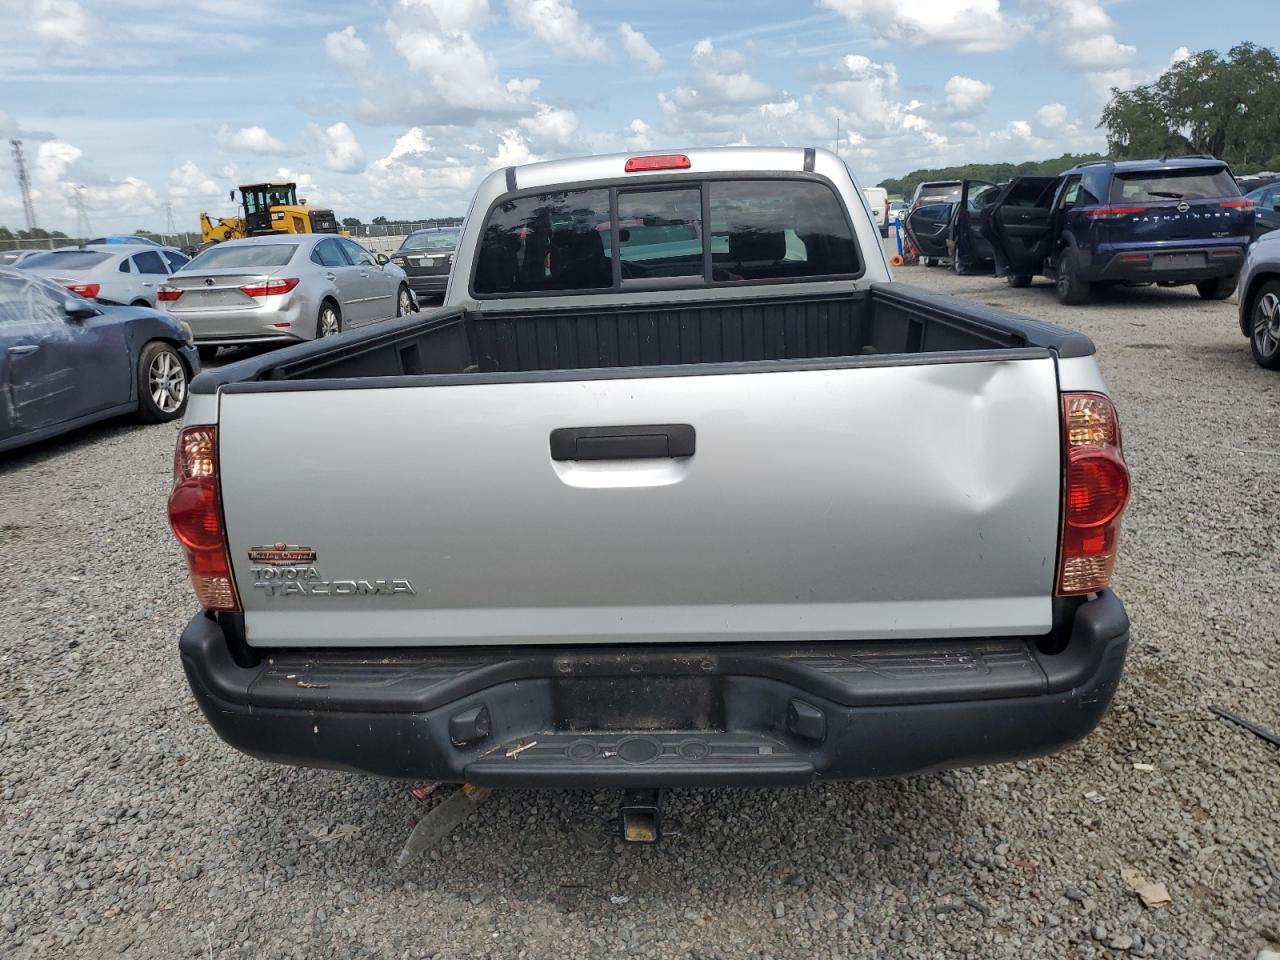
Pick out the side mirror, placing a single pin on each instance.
(78, 310)
(382, 259)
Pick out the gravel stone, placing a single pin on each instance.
(127, 828)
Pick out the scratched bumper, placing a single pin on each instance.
(746, 715)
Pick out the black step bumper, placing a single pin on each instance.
(749, 715)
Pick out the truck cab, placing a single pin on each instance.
(1171, 222)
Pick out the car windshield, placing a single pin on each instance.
(1197, 183)
(66, 260)
(444, 242)
(250, 255)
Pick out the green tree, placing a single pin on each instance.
(1225, 106)
(379, 221)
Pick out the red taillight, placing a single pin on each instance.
(1113, 213)
(1226, 252)
(271, 288)
(1241, 204)
(1134, 257)
(89, 290)
(168, 294)
(195, 516)
(1095, 492)
(665, 161)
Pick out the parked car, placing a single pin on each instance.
(1260, 300)
(426, 257)
(1172, 222)
(1266, 208)
(928, 218)
(747, 589)
(66, 361)
(16, 258)
(878, 201)
(275, 290)
(111, 274)
(131, 240)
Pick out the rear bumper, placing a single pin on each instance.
(1181, 265)
(430, 285)
(752, 715)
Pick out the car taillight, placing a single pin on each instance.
(168, 294)
(195, 516)
(666, 161)
(1095, 492)
(89, 290)
(1241, 204)
(1113, 213)
(270, 288)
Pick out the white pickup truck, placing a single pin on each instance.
(678, 488)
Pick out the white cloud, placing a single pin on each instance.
(965, 96)
(347, 50)
(189, 181)
(552, 126)
(639, 49)
(57, 22)
(254, 140)
(339, 148)
(557, 24)
(716, 78)
(639, 135)
(1182, 53)
(461, 77)
(1084, 36)
(970, 26)
(1051, 116)
(1100, 52)
(12, 129)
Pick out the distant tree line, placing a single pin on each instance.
(1225, 106)
(356, 223)
(9, 238)
(992, 172)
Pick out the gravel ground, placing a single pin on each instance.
(127, 826)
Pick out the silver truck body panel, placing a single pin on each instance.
(903, 501)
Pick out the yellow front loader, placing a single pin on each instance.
(268, 208)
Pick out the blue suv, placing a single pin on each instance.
(1169, 222)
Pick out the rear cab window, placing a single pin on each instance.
(676, 235)
(1156, 186)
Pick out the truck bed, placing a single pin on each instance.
(888, 320)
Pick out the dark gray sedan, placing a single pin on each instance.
(426, 257)
(66, 361)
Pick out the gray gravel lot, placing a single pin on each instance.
(127, 826)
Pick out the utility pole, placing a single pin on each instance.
(837, 136)
(170, 229)
(24, 182)
(83, 228)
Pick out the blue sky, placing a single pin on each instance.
(400, 107)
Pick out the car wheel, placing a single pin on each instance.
(930, 261)
(1071, 289)
(1265, 316)
(207, 354)
(404, 302)
(1019, 280)
(163, 378)
(1218, 289)
(139, 303)
(329, 322)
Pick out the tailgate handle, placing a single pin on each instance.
(623, 443)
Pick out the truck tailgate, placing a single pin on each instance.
(903, 500)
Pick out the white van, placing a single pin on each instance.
(878, 201)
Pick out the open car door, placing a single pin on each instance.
(927, 227)
(1017, 224)
(968, 246)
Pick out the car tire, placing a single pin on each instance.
(404, 301)
(930, 261)
(163, 383)
(1264, 326)
(1217, 289)
(329, 320)
(139, 303)
(1019, 281)
(207, 354)
(1071, 289)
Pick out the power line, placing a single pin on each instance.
(24, 182)
(83, 228)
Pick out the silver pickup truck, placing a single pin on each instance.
(678, 488)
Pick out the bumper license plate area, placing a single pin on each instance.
(1177, 261)
(616, 704)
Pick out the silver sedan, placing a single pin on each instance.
(283, 289)
(112, 274)
(1260, 300)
